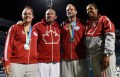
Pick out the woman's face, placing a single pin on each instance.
(27, 15)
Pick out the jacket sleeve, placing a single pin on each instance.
(109, 33)
(8, 46)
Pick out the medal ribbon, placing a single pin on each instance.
(72, 28)
(28, 35)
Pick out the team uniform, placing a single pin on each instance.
(22, 61)
(74, 62)
(100, 41)
(48, 49)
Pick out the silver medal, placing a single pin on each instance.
(26, 47)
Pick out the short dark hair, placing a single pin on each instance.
(93, 4)
(51, 9)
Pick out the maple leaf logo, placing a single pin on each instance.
(51, 37)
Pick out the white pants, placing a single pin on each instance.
(23, 70)
(49, 69)
(96, 66)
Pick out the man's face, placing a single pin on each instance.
(71, 11)
(91, 11)
(27, 15)
(50, 15)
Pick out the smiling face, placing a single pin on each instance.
(27, 15)
(71, 11)
(92, 10)
(50, 16)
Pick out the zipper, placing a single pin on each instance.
(29, 54)
(52, 41)
(71, 50)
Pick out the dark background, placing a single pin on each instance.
(10, 13)
(11, 9)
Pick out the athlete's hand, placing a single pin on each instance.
(105, 62)
(7, 69)
(20, 22)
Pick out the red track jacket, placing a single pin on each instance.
(76, 49)
(14, 51)
(48, 42)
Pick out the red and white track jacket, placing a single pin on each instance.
(48, 42)
(14, 51)
(100, 36)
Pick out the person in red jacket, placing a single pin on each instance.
(100, 43)
(74, 61)
(48, 45)
(20, 52)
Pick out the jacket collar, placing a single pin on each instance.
(67, 21)
(43, 21)
(95, 19)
